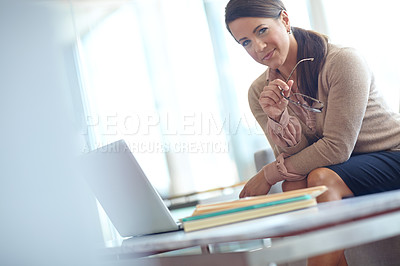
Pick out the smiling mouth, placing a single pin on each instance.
(269, 55)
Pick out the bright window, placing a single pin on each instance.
(372, 31)
(167, 77)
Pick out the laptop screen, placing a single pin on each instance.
(122, 188)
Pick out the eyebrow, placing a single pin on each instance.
(254, 31)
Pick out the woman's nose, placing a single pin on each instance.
(260, 45)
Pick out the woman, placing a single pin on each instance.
(319, 108)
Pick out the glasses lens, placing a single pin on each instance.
(317, 105)
(302, 100)
(306, 102)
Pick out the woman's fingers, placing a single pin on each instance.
(275, 89)
(289, 86)
(280, 84)
(270, 97)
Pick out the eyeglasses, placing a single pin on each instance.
(315, 106)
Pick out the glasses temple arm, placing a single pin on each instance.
(302, 60)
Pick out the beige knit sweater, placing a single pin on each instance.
(354, 118)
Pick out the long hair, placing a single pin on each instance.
(310, 43)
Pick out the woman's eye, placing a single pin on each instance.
(245, 43)
(263, 30)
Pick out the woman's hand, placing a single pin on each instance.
(257, 185)
(271, 99)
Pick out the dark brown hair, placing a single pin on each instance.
(310, 43)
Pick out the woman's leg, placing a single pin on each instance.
(337, 189)
(292, 185)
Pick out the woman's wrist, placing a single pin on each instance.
(271, 173)
(275, 119)
(282, 118)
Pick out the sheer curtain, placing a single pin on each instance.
(151, 80)
(167, 77)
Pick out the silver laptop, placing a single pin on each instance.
(129, 199)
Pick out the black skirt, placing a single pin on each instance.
(370, 172)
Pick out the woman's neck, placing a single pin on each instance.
(291, 59)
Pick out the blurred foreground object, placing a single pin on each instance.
(47, 214)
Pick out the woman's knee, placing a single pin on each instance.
(337, 188)
(293, 185)
(321, 177)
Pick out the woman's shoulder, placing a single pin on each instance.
(342, 59)
(259, 83)
(343, 55)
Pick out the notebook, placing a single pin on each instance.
(123, 190)
(217, 214)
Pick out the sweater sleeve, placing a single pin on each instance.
(278, 171)
(262, 118)
(344, 86)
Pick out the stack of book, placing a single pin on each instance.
(210, 215)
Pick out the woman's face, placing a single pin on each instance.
(265, 39)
